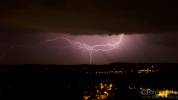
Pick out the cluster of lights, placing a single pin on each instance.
(165, 93)
(144, 71)
(140, 71)
(110, 72)
(105, 72)
(148, 70)
(102, 92)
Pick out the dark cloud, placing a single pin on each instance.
(25, 24)
(168, 40)
(89, 16)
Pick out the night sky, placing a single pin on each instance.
(33, 31)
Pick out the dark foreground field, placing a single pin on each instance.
(79, 82)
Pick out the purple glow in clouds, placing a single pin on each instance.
(64, 48)
(92, 43)
(104, 44)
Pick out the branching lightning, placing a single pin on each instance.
(78, 44)
(95, 48)
(90, 48)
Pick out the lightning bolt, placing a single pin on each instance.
(78, 44)
(96, 48)
(90, 48)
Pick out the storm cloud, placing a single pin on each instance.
(89, 16)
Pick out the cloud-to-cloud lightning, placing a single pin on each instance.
(99, 43)
(105, 47)
(97, 47)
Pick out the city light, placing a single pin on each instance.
(103, 91)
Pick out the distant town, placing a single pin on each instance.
(91, 82)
